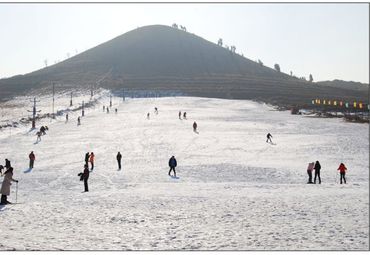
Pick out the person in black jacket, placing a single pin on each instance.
(317, 168)
(172, 163)
(7, 164)
(85, 177)
(87, 156)
(119, 157)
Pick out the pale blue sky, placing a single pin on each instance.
(331, 41)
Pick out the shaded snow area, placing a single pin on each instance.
(234, 191)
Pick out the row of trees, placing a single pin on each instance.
(183, 28)
(277, 68)
(68, 55)
(231, 48)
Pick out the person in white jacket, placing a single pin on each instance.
(5, 187)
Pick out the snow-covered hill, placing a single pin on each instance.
(234, 192)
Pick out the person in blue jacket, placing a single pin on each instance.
(172, 163)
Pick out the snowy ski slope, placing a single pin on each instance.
(235, 191)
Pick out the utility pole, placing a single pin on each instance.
(53, 100)
(123, 94)
(83, 108)
(110, 102)
(70, 104)
(34, 113)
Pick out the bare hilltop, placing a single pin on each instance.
(161, 58)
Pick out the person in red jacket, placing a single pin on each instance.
(342, 170)
(92, 160)
(32, 159)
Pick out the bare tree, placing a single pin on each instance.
(175, 25)
(233, 48)
(260, 62)
(311, 78)
(291, 73)
(277, 67)
(46, 62)
(219, 42)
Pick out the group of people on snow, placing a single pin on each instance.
(90, 157)
(317, 167)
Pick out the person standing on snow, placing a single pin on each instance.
(155, 110)
(67, 117)
(195, 125)
(342, 170)
(78, 121)
(119, 157)
(148, 115)
(184, 115)
(179, 115)
(92, 159)
(309, 172)
(32, 158)
(85, 177)
(5, 187)
(87, 156)
(172, 164)
(7, 164)
(269, 136)
(317, 168)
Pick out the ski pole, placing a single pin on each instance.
(16, 192)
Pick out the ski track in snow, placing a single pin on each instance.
(235, 191)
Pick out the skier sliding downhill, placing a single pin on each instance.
(269, 138)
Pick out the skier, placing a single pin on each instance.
(179, 115)
(195, 125)
(103, 108)
(38, 139)
(148, 115)
(119, 157)
(32, 159)
(309, 172)
(85, 176)
(1, 170)
(116, 110)
(317, 168)
(269, 138)
(155, 110)
(107, 109)
(172, 164)
(67, 117)
(5, 187)
(184, 115)
(87, 156)
(342, 170)
(7, 164)
(92, 159)
(78, 121)
(42, 130)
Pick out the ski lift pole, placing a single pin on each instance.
(16, 192)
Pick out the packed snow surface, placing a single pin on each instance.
(234, 191)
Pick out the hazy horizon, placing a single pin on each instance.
(329, 41)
